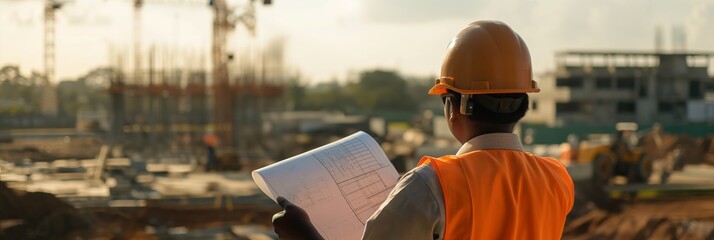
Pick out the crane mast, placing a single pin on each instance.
(49, 96)
(222, 97)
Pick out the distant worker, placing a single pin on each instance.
(210, 141)
(625, 139)
(491, 188)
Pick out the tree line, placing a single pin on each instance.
(370, 92)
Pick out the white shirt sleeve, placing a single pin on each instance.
(414, 209)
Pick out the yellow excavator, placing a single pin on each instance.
(617, 155)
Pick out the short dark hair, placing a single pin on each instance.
(482, 114)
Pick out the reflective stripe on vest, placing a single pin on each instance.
(503, 194)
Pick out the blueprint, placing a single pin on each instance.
(340, 185)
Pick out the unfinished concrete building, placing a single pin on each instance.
(605, 87)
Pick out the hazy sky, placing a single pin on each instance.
(328, 38)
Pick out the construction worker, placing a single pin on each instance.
(210, 141)
(491, 188)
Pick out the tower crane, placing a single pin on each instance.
(224, 21)
(49, 95)
(137, 40)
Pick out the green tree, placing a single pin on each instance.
(89, 92)
(294, 93)
(327, 96)
(19, 94)
(380, 90)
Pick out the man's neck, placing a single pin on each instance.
(488, 128)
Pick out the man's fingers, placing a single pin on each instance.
(291, 208)
(293, 222)
(283, 202)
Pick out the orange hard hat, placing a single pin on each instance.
(486, 57)
(210, 139)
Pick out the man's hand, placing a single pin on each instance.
(293, 222)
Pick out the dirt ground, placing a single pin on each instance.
(113, 224)
(43, 216)
(595, 216)
(36, 215)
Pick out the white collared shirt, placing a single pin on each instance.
(493, 141)
(415, 207)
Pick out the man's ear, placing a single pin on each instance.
(453, 112)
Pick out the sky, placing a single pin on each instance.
(330, 39)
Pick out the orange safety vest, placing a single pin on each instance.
(503, 194)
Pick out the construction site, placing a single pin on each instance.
(160, 142)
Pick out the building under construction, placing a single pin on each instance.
(162, 100)
(605, 87)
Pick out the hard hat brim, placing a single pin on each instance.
(442, 88)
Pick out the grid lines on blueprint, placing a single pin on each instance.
(354, 169)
